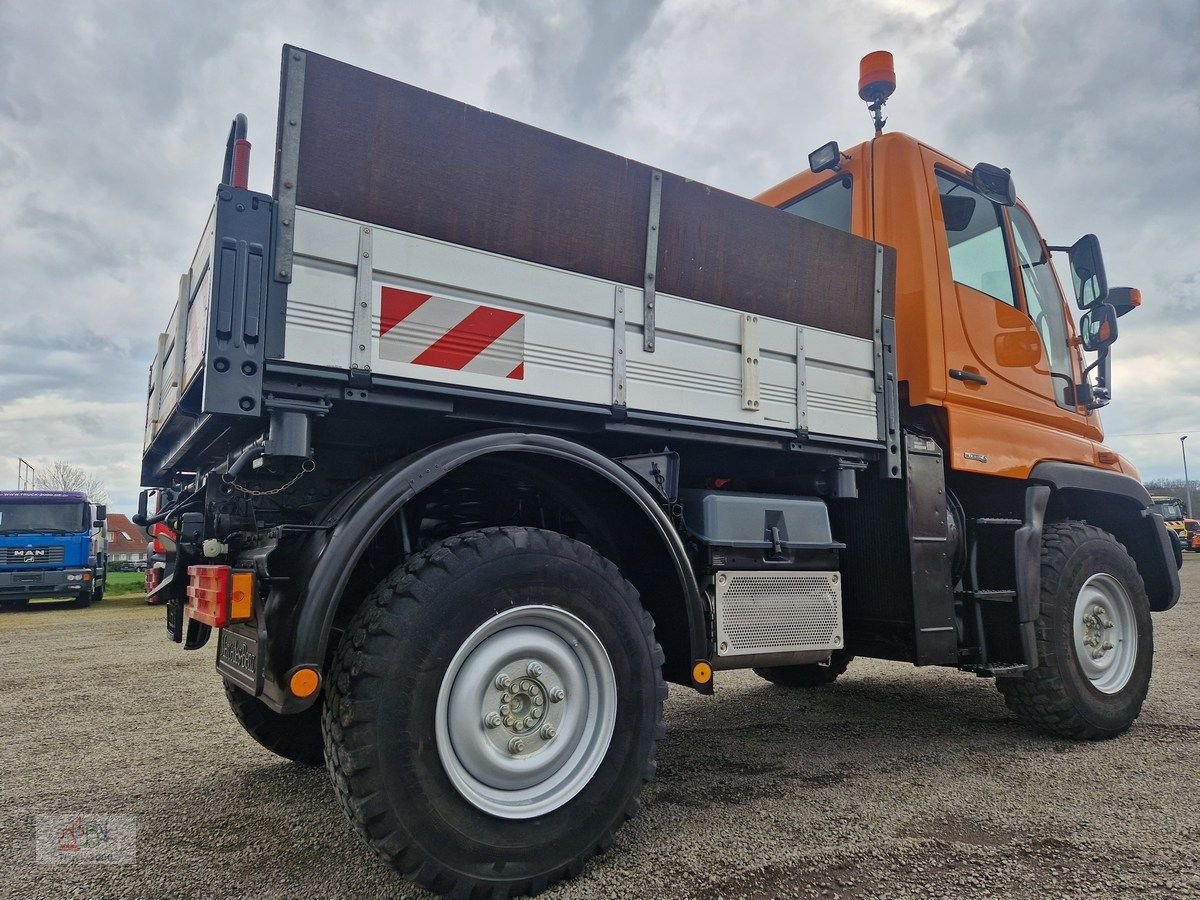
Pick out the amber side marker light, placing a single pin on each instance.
(304, 682)
(701, 672)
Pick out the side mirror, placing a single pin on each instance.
(1087, 272)
(101, 515)
(994, 183)
(1124, 299)
(1098, 327)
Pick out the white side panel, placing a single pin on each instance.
(454, 315)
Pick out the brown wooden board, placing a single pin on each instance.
(381, 151)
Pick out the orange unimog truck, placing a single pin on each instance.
(467, 439)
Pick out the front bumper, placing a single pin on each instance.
(45, 583)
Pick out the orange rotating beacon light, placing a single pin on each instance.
(876, 82)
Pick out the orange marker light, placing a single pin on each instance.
(304, 682)
(701, 672)
(1135, 298)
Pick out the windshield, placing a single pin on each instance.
(1168, 509)
(30, 517)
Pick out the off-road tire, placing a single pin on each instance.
(810, 675)
(13, 605)
(382, 705)
(83, 601)
(1056, 697)
(296, 737)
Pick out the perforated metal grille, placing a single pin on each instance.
(776, 612)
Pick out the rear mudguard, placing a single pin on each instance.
(351, 522)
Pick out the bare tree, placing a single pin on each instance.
(62, 476)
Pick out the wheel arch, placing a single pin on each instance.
(1121, 506)
(331, 554)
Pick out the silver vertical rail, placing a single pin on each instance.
(360, 329)
(648, 285)
(619, 389)
(801, 383)
(289, 163)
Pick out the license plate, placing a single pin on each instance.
(239, 659)
(27, 578)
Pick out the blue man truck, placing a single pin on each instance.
(52, 544)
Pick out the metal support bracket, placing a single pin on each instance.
(289, 163)
(877, 334)
(751, 369)
(619, 392)
(360, 329)
(801, 384)
(648, 285)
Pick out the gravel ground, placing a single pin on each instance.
(893, 783)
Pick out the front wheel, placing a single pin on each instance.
(494, 710)
(14, 604)
(1094, 639)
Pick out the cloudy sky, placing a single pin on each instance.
(113, 117)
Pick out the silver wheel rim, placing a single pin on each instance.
(1105, 633)
(526, 711)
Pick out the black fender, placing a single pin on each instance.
(1121, 505)
(348, 526)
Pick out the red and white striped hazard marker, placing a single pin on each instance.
(427, 330)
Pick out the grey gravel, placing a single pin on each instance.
(893, 783)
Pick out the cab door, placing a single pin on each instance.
(1009, 397)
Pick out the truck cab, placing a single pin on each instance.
(988, 355)
(52, 544)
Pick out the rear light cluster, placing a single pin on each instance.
(220, 595)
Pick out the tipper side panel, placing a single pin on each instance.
(376, 150)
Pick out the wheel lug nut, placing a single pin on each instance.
(519, 726)
(492, 720)
(505, 709)
(535, 669)
(516, 745)
(557, 695)
(525, 686)
(502, 682)
(529, 723)
(1107, 646)
(547, 731)
(537, 713)
(508, 720)
(537, 700)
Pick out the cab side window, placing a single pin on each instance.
(828, 204)
(1043, 300)
(975, 232)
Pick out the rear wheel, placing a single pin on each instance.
(1094, 638)
(494, 710)
(296, 737)
(811, 675)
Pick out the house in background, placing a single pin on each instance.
(126, 542)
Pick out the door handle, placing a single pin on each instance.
(972, 377)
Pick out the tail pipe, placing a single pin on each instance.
(236, 171)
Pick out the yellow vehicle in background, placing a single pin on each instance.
(1175, 516)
